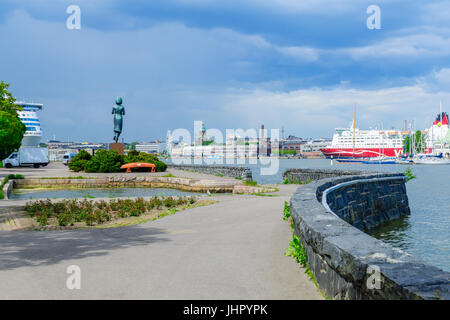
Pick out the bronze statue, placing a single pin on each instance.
(118, 111)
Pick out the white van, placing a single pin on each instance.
(67, 158)
(27, 156)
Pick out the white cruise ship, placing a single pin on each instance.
(388, 143)
(28, 116)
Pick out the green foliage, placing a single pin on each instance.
(11, 133)
(286, 152)
(286, 211)
(14, 176)
(135, 156)
(104, 161)
(252, 183)
(169, 175)
(6, 99)
(79, 161)
(68, 212)
(11, 128)
(207, 142)
(409, 175)
(5, 180)
(292, 181)
(297, 251)
(111, 161)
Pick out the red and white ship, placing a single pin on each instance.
(380, 143)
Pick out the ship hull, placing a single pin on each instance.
(361, 152)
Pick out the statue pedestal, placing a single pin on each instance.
(119, 147)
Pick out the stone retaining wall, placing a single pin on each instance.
(235, 172)
(307, 175)
(195, 185)
(348, 263)
(7, 188)
(366, 205)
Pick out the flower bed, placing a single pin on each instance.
(81, 213)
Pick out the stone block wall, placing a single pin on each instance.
(235, 172)
(7, 188)
(195, 185)
(308, 175)
(366, 205)
(348, 263)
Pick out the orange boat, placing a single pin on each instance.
(130, 166)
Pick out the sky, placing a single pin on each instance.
(297, 64)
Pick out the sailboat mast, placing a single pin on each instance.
(354, 126)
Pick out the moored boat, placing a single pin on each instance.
(429, 160)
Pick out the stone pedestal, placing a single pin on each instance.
(119, 147)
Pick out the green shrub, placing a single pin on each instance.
(252, 183)
(135, 156)
(14, 176)
(111, 161)
(78, 163)
(105, 161)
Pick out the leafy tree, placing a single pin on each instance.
(79, 161)
(105, 161)
(11, 128)
(6, 99)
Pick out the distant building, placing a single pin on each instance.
(153, 147)
(52, 144)
(312, 149)
(291, 143)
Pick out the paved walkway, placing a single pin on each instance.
(233, 249)
(57, 169)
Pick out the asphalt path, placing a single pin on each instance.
(233, 249)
